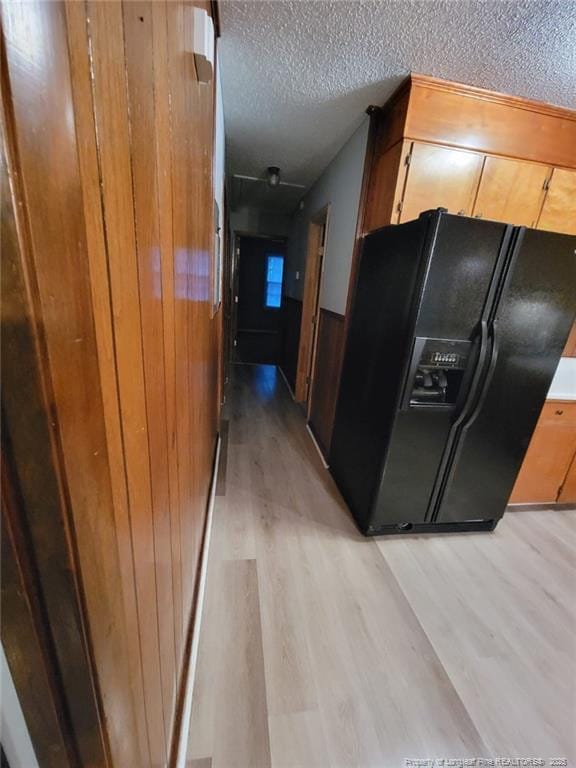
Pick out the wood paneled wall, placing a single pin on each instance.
(109, 143)
(291, 322)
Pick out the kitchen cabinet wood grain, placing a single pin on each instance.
(439, 177)
(549, 456)
(559, 209)
(511, 191)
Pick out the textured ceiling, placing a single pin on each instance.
(297, 75)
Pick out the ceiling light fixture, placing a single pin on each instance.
(273, 176)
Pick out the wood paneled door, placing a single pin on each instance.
(310, 305)
(559, 209)
(511, 191)
(109, 143)
(440, 177)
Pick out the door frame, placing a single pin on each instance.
(235, 237)
(307, 346)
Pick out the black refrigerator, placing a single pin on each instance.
(456, 330)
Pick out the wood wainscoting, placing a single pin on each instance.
(327, 363)
(108, 136)
(291, 322)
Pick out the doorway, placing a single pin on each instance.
(259, 280)
(317, 230)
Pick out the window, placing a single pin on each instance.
(274, 274)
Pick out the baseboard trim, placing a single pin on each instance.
(182, 720)
(287, 383)
(550, 505)
(324, 462)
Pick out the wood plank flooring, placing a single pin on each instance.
(322, 649)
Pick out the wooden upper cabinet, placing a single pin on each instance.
(549, 456)
(559, 209)
(511, 191)
(439, 177)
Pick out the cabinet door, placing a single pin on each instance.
(549, 455)
(511, 191)
(568, 491)
(440, 177)
(559, 209)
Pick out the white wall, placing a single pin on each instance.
(340, 186)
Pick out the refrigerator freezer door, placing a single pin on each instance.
(532, 321)
(377, 347)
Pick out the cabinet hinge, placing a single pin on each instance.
(546, 185)
(321, 250)
(399, 207)
(408, 159)
(307, 379)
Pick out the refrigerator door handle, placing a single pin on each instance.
(477, 375)
(491, 367)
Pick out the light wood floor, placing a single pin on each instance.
(320, 648)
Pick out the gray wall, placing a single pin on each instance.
(255, 221)
(340, 186)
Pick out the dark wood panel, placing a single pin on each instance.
(291, 321)
(28, 647)
(325, 379)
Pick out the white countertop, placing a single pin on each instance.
(563, 385)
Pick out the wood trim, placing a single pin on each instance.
(317, 226)
(26, 636)
(483, 121)
(182, 716)
(325, 384)
(484, 94)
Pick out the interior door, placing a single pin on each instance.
(559, 209)
(440, 177)
(511, 191)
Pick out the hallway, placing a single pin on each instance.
(321, 648)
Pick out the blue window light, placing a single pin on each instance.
(274, 275)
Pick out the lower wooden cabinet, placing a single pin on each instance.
(549, 470)
(568, 490)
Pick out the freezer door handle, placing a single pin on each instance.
(488, 378)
